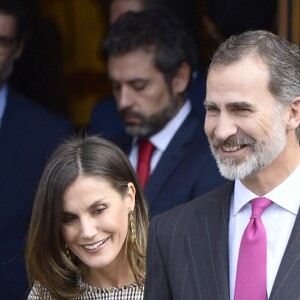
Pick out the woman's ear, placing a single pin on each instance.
(130, 198)
(294, 115)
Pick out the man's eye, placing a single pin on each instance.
(116, 87)
(209, 108)
(139, 86)
(243, 109)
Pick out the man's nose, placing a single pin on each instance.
(225, 127)
(125, 99)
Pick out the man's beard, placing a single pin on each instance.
(5, 71)
(153, 124)
(262, 155)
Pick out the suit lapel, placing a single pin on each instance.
(287, 281)
(173, 155)
(207, 248)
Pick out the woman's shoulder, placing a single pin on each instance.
(39, 292)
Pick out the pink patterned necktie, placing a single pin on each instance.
(251, 278)
(144, 157)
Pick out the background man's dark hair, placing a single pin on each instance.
(154, 31)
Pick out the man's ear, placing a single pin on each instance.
(181, 78)
(19, 49)
(294, 115)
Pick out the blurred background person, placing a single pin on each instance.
(150, 68)
(104, 116)
(88, 225)
(28, 134)
(43, 56)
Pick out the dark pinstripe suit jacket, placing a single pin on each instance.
(187, 256)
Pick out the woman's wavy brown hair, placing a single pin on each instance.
(45, 255)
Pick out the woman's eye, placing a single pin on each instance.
(67, 218)
(99, 209)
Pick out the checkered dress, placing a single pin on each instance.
(127, 292)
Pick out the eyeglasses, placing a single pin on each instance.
(6, 42)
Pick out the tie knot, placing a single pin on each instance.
(258, 206)
(145, 149)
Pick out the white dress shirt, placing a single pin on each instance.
(161, 139)
(3, 96)
(278, 220)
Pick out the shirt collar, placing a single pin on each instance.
(3, 100)
(285, 194)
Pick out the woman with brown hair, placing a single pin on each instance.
(87, 237)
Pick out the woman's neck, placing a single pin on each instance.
(114, 275)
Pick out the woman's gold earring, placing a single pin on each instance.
(68, 253)
(132, 227)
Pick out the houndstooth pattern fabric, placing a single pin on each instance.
(127, 292)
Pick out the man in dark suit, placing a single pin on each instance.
(28, 134)
(105, 118)
(150, 62)
(197, 250)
